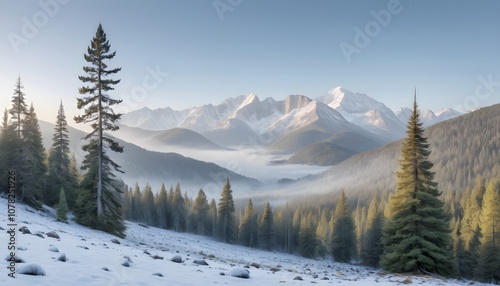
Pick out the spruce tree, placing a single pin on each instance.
(200, 216)
(33, 167)
(100, 179)
(372, 247)
(417, 236)
(59, 165)
(307, 241)
(488, 268)
(343, 235)
(62, 207)
(137, 209)
(178, 210)
(212, 225)
(162, 207)
(267, 234)
(8, 148)
(248, 232)
(226, 221)
(148, 203)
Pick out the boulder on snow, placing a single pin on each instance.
(53, 248)
(200, 262)
(15, 258)
(158, 274)
(176, 259)
(115, 241)
(125, 263)
(24, 230)
(31, 269)
(62, 258)
(240, 272)
(52, 234)
(255, 264)
(157, 257)
(40, 235)
(298, 278)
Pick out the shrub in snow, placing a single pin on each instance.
(254, 264)
(24, 230)
(239, 272)
(16, 259)
(116, 241)
(62, 258)
(52, 234)
(200, 262)
(176, 259)
(31, 269)
(53, 248)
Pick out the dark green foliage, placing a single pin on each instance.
(416, 236)
(307, 237)
(248, 231)
(226, 222)
(62, 207)
(33, 167)
(267, 234)
(148, 203)
(343, 236)
(60, 174)
(200, 214)
(212, 225)
(8, 149)
(98, 111)
(372, 247)
(136, 208)
(161, 206)
(178, 210)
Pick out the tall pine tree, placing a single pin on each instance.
(226, 222)
(267, 234)
(99, 184)
(417, 236)
(59, 165)
(248, 232)
(161, 205)
(7, 150)
(200, 214)
(343, 235)
(372, 247)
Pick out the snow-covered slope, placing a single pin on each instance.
(364, 111)
(428, 116)
(93, 259)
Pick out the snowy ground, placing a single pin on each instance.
(89, 252)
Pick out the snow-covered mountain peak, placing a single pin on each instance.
(296, 102)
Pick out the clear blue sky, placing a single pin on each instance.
(272, 48)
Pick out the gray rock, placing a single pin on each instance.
(176, 259)
(52, 234)
(39, 234)
(115, 241)
(128, 259)
(158, 274)
(62, 258)
(15, 258)
(24, 230)
(200, 262)
(125, 263)
(256, 265)
(157, 257)
(105, 269)
(298, 278)
(31, 269)
(239, 272)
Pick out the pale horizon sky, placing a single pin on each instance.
(203, 52)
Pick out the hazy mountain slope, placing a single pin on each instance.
(321, 154)
(154, 167)
(462, 148)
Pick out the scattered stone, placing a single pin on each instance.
(274, 269)
(325, 278)
(39, 234)
(222, 273)
(31, 269)
(24, 230)
(146, 252)
(125, 263)
(298, 278)
(1, 228)
(22, 248)
(143, 225)
(157, 257)
(128, 259)
(239, 273)
(158, 274)
(406, 281)
(105, 269)
(211, 256)
(254, 264)
(246, 266)
(176, 259)
(62, 258)
(315, 276)
(200, 262)
(84, 247)
(52, 234)
(115, 241)
(15, 258)
(53, 248)
(83, 239)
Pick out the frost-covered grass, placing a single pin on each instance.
(92, 259)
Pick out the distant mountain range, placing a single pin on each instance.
(288, 127)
